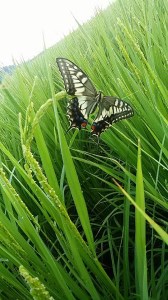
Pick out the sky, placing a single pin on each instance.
(23, 24)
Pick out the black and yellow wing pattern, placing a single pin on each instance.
(86, 100)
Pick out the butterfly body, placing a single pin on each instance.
(87, 100)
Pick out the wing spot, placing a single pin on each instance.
(115, 110)
(84, 79)
(116, 102)
(78, 74)
(78, 85)
(111, 111)
(103, 114)
(121, 103)
(80, 90)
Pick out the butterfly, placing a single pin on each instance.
(86, 100)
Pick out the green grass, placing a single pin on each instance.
(77, 220)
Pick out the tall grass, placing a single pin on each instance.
(77, 220)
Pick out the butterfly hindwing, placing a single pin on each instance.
(111, 110)
(75, 115)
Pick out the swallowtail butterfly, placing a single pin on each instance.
(87, 100)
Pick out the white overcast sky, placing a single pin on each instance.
(23, 23)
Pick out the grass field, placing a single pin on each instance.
(80, 220)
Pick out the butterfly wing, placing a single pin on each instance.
(75, 115)
(111, 110)
(78, 84)
(75, 80)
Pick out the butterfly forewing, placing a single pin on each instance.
(116, 108)
(76, 81)
(111, 110)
